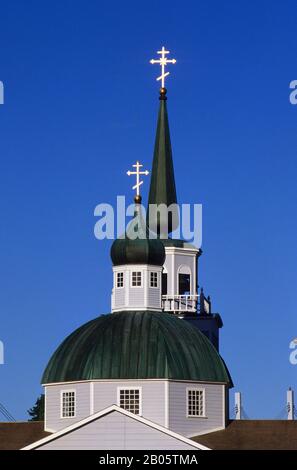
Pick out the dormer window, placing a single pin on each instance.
(154, 279)
(136, 278)
(120, 280)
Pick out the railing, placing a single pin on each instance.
(187, 303)
(180, 303)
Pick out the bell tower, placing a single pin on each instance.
(180, 294)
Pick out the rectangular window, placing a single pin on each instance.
(136, 279)
(68, 404)
(129, 399)
(196, 402)
(120, 279)
(154, 280)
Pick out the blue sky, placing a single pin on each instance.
(81, 105)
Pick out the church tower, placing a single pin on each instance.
(180, 294)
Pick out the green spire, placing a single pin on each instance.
(162, 187)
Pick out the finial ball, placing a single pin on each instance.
(163, 91)
(137, 199)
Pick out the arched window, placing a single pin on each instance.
(184, 280)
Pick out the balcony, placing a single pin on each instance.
(180, 303)
(187, 303)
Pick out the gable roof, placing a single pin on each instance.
(14, 436)
(106, 411)
(253, 435)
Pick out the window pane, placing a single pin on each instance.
(136, 278)
(120, 279)
(196, 403)
(154, 279)
(130, 400)
(68, 404)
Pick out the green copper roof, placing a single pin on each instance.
(136, 345)
(162, 186)
(136, 247)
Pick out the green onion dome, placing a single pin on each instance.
(137, 246)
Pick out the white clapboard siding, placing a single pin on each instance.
(119, 296)
(136, 297)
(154, 297)
(116, 431)
(53, 420)
(188, 426)
(162, 404)
(143, 297)
(152, 392)
(103, 394)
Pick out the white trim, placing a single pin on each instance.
(137, 309)
(45, 407)
(68, 390)
(173, 287)
(136, 267)
(106, 411)
(50, 430)
(166, 404)
(133, 380)
(119, 388)
(91, 398)
(198, 389)
(185, 268)
(182, 251)
(195, 275)
(145, 288)
(127, 289)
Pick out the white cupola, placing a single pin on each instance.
(137, 267)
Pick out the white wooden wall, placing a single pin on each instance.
(136, 298)
(53, 420)
(95, 396)
(214, 403)
(163, 402)
(176, 259)
(116, 431)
